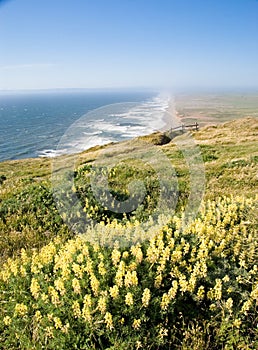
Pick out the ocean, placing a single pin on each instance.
(48, 124)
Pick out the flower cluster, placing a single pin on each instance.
(64, 291)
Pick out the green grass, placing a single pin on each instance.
(30, 220)
(28, 214)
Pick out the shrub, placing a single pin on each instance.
(185, 287)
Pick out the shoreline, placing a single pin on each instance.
(171, 117)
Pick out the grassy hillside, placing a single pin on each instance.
(184, 287)
(28, 214)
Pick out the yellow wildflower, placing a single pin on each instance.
(137, 252)
(65, 328)
(146, 297)
(86, 313)
(163, 332)
(102, 304)
(7, 320)
(87, 300)
(38, 316)
(237, 323)
(54, 295)
(49, 332)
(229, 304)
(34, 288)
(108, 320)
(21, 309)
(76, 286)
(136, 323)
(76, 309)
(59, 285)
(131, 279)
(101, 268)
(76, 268)
(115, 256)
(94, 284)
(125, 255)
(129, 299)
(114, 291)
(200, 293)
(165, 301)
(57, 322)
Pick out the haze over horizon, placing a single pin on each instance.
(170, 44)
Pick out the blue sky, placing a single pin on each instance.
(128, 43)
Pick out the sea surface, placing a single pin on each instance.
(51, 123)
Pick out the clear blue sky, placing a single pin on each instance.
(128, 43)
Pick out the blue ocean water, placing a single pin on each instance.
(33, 124)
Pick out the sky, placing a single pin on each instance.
(128, 43)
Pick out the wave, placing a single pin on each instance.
(112, 124)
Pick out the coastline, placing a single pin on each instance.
(171, 117)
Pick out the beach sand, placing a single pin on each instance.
(171, 117)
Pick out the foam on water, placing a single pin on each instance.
(104, 126)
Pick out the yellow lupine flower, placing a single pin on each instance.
(5, 275)
(24, 257)
(137, 253)
(183, 283)
(57, 322)
(246, 307)
(38, 316)
(129, 299)
(94, 284)
(108, 320)
(120, 273)
(101, 268)
(163, 332)
(132, 266)
(115, 256)
(158, 280)
(76, 286)
(86, 313)
(218, 289)
(65, 328)
(146, 297)
(50, 317)
(59, 285)
(131, 279)
(20, 309)
(125, 255)
(200, 293)
(237, 323)
(173, 290)
(54, 295)
(138, 345)
(80, 258)
(49, 332)
(44, 297)
(23, 271)
(76, 268)
(7, 320)
(165, 301)
(216, 292)
(87, 301)
(229, 304)
(114, 291)
(102, 304)
(13, 266)
(136, 323)
(89, 266)
(76, 309)
(34, 288)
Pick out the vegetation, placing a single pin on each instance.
(183, 287)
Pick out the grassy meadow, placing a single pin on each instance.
(189, 286)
